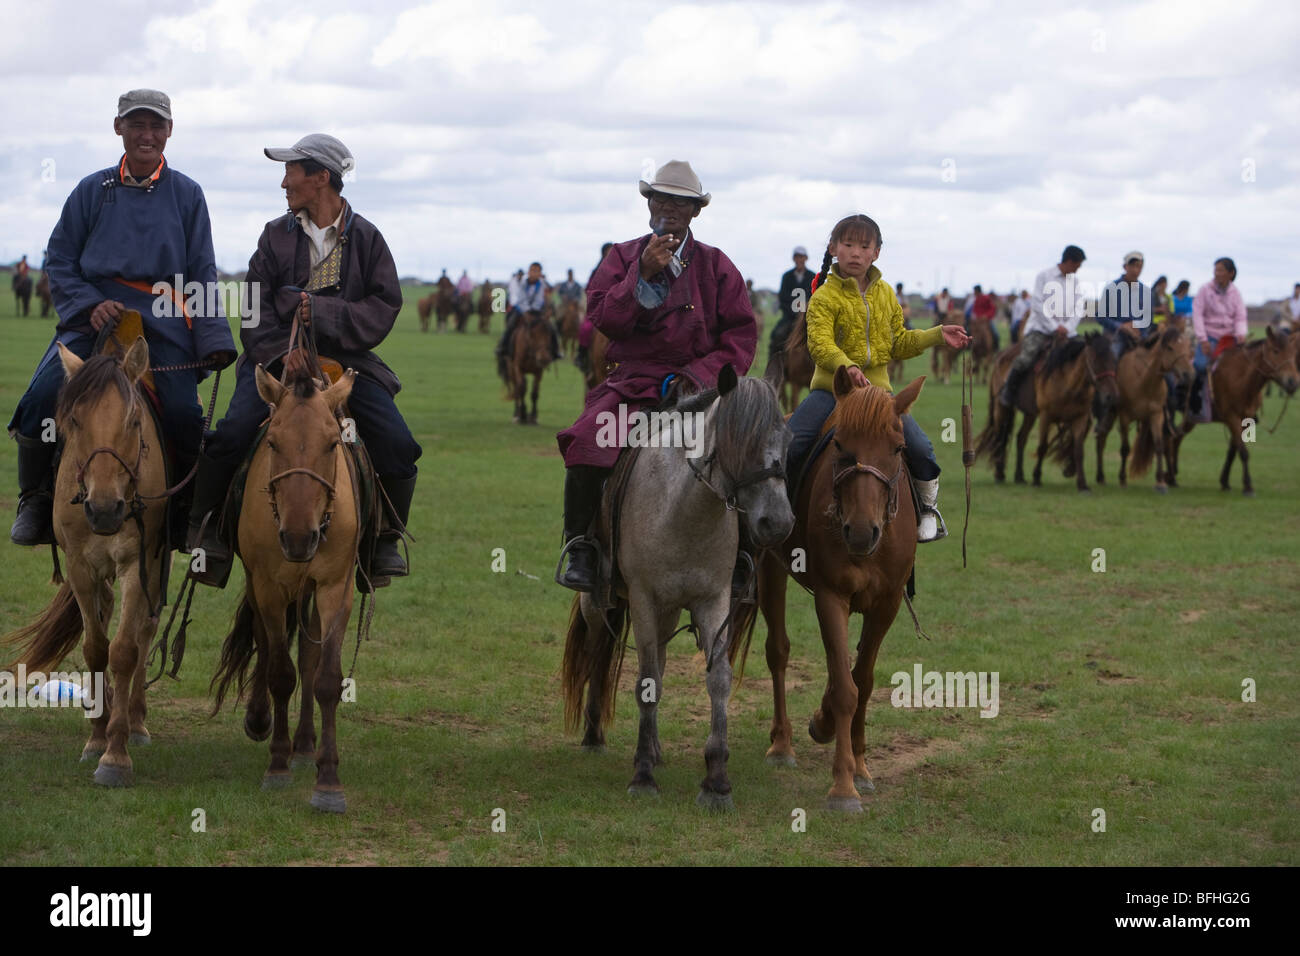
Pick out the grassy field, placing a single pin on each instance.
(1119, 690)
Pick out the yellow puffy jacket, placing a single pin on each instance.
(849, 327)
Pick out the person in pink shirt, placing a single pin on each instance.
(1219, 319)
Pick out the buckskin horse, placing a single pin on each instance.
(1236, 384)
(677, 540)
(1143, 395)
(856, 524)
(1076, 379)
(530, 354)
(298, 535)
(109, 507)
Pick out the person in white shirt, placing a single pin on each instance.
(1294, 305)
(1055, 304)
(1019, 312)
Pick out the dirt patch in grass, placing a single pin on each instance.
(904, 754)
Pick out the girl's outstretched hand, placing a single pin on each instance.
(955, 337)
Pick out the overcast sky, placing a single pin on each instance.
(982, 136)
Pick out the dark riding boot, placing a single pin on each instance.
(178, 505)
(503, 346)
(35, 521)
(555, 344)
(1007, 397)
(210, 484)
(582, 484)
(388, 561)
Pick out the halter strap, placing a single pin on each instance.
(860, 468)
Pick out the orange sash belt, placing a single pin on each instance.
(141, 286)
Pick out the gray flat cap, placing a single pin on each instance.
(155, 101)
(325, 149)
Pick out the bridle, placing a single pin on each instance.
(840, 476)
(1094, 376)
(728, 498)
(330, 493)
(132, 471)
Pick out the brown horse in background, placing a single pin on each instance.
(941, 359)
(43, 293)
(981, 349)
(1076, 377)
(797, 365)
(298, 538)
(462, 306)
(485, 308)
(570, 320)
(425, 308)
(22, 285)
(108, 519)
(598, 369)
(530, 355)
(1143, 395)
(1236, 385)
(445, 302)
(855, 522)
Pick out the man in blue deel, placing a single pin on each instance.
(123, 231)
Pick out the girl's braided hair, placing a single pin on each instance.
(857, 227)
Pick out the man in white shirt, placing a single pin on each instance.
(1019, 312)
(1055, 304)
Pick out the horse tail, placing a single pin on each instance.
(587, 655)
(742, 632)
(1144, 450)
(992, 441)
(52, 636)
(1061, 448)
(236, 654)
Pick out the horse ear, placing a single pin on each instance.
(136, 362)
(272, 392)
(774, 374)
(842, 384)
(338, 393)
(71, 363)
(1151, 341)
(904, 399)
(726, 379)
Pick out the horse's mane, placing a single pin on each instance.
(96, 375)
(745, 420)
(302, 384)
(865, 411)
(1063, 355)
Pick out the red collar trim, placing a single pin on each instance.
(153, 178)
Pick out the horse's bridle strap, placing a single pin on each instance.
(329, 487)
(859, 468)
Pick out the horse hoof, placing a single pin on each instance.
(781, 760)
(107, 775)
(844, 804)
(300, 761)
(1085, 491)
(863, 784)
(593, 748)
(812, 732)
(88, 755)
(1249, 492)
(714, 801)
(329, 801)
(1162, 490)
(139, 738)
(255, 733)
(277, 781)
(643, 788)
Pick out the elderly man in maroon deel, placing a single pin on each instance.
(675, 311)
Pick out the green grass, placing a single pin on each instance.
(1119, 690)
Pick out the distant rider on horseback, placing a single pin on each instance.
(1054, 304)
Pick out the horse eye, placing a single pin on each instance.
(900, 449)
(836, 443)
(271, 445)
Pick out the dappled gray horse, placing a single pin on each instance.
(677, 543)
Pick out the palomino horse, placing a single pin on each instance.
(298, 537)
(570, 319)
(22, 294)
(856, 524)
(1077, 379)
(680, 529)
(425, 308)
(444, 302)
(1143, 395)
(530, 355)
(43, 293)
(797, 366)
(485, 308)
(1236, 386)
(981, 349)
(108, 519)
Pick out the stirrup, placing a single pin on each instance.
(747, 592)
(564, 553)
(942, 528)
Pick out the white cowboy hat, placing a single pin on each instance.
(676, 178)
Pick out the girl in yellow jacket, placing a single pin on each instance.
(854, 319)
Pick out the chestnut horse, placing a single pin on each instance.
(22, 294)
(1077, 379)
(1143, 395)
(530, 355)
(444, 302)
(425, 308)
(797, 365)
(855, 522)
(485, 308)
(108, 519)
(570, 319)
(298, 536)
(1236, 386)
(43, 293)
